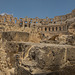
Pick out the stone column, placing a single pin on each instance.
(43, 28)
(58, 28)
(40, 29)
(51, 29)
(54, 28)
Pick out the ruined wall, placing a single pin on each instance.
(39, 58)
(56, 24)
(15, 36)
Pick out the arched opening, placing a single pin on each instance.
(20, 20)
(52, 28)
(54, 22)
(49, 28)
(10, 19)
(25, 25)
(29, 24)
(40, 21)
(56, 28)
(45, 29)
(4, 19)
(15, 21)
(25, 21)
(21, 24)
(60, 28)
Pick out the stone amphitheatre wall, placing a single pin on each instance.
(49, 25)
(19, 56)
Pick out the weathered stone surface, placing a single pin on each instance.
(51, 53)
(15, 36)
(40, 58)
(66, 39)
(72, 28)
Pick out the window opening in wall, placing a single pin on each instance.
(60, 28)
(34, 22)
(40, 21)
(49, 28)
(52, 28)
(10, 20)
(45, 29)
(20, 20)
(54, 22)
(4, 19)
(67, 27)
(15, 21)
(56, 28)
(25, 21)
(21, 24)
(25, 25)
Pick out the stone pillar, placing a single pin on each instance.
(58, 28)
(43, 28)
(54, 28)
(8, 18)
(51, 28)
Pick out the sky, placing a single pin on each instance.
(36, 8)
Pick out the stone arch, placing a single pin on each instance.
(29, 24)
(56, 28)
(49, 28)
(45, 29)
(10, 20)
(4, 19)
(15, 21)
(25, 25)
(52, 28)
(59, 28)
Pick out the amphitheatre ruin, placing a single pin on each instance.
(34, 46)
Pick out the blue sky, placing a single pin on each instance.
(36, 8)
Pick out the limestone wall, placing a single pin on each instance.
(12, 23)
(37, 58)
(15, 36)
